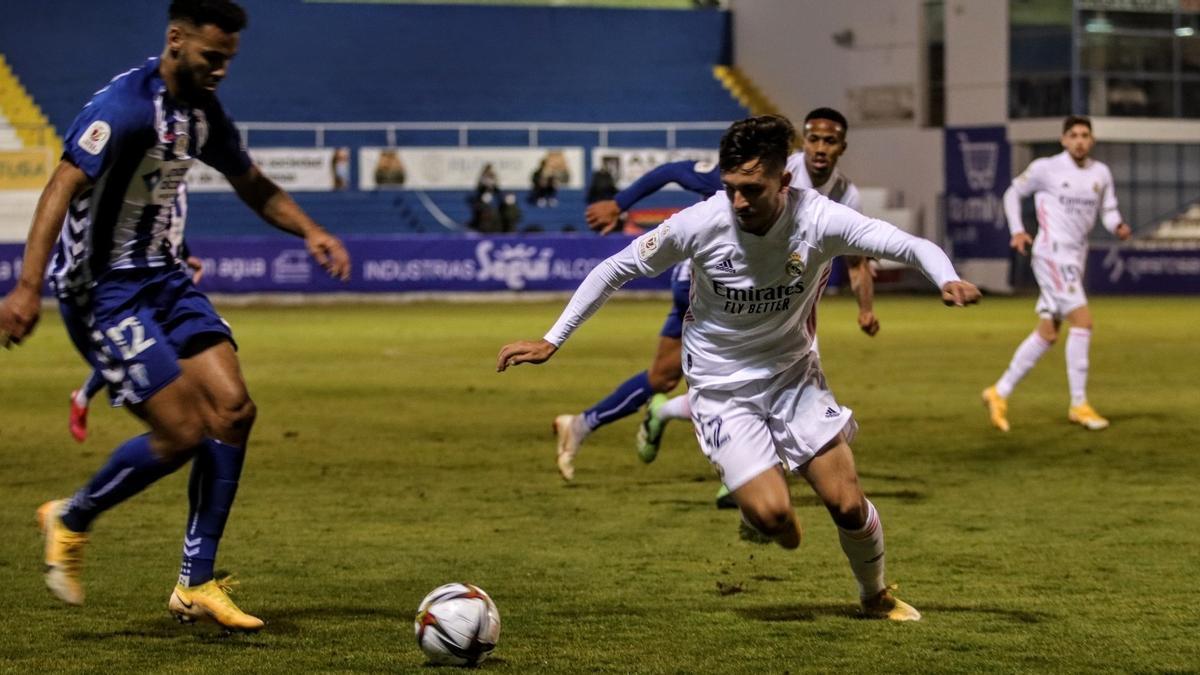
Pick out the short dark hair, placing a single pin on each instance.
(224, 14)
(828, 114)
(1073, 120)
(767, 138)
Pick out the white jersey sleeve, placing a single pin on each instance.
(1110, 214)
(1024, 185)
(847, 231)
(649, 255)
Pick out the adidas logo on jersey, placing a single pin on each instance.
(726, 265)
(830, 412)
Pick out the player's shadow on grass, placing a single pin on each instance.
(907, 496)
(794, 612)
(296, 618)
(168, 629)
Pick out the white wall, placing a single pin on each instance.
(788, 48)
(976, 62)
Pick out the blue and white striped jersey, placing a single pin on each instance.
(136, 145)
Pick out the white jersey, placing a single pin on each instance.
(752, 296)
(1068, 198)
(839, 187)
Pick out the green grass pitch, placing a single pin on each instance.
(389, 458)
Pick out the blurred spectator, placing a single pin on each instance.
(552, 171)
(341, 169)
(492, 210)
(389, 170)
(603, 187)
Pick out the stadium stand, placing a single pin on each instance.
(321, 63)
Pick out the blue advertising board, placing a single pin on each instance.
(395, 264)
(978, 169)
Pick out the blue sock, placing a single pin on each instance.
(94, 384)
(131, 469)
(624, 401)
(211, 490)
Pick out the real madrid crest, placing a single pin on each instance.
(795, 265)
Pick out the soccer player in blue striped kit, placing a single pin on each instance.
(130, 308)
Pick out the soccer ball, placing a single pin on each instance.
(457, 624)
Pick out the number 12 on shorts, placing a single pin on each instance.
(137, 342)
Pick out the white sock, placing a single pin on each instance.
(581, 428)
(1078, 341)
(677, 408)
(1023, 360)
(864, 550)
(81, 398)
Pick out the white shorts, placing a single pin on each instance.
(1061, 285)
(785, 420)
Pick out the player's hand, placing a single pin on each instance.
(1124, 232)
(868, 323)
(196, 265)
(19, 313)
(1020, 241)
(603, 216)
(960, 294)
(329, 252)
(524, 351)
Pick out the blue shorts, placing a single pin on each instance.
(681, 290)
(134, 326)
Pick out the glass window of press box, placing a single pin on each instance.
(1118, 58)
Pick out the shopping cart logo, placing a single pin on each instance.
(979, 160)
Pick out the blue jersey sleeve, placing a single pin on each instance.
(108, 126)
(703, 179)
(223, 149)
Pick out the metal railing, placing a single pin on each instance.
(464, 129)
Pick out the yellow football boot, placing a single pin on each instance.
(64, 553)
(1086, 416)
(997, 407)
(884, 605)
(210, 600)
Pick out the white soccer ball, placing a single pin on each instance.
(457, 624)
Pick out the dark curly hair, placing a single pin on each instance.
(1073, 120)
(767, 138)
(827, 114)
(224, 14)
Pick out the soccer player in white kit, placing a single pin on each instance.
(1070, 189)
(760, 403)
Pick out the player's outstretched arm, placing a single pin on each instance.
(525, 351)
(274, 205)
(960, 293)
(21, 308)
(862, 282)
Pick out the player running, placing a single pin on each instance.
(132, 311)
(824, 143)
(760, 251)
(1069, 190)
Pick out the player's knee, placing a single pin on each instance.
(848, 510)
(662, 381)
(1050, 335)
(771, 520)
(234, 417)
